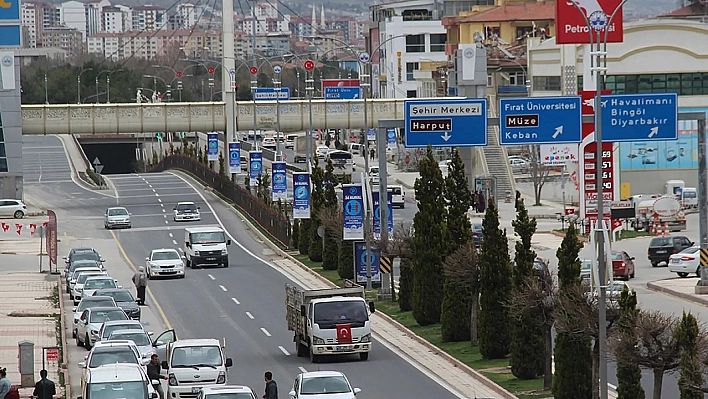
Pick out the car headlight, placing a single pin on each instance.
(366, 338)
(223, 252)
(318, 341)
(172, 380)
(222, 378)
(94, 332)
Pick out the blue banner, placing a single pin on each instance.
(255, 165)
(213, 146)
(235, 157)
(353, 203)
(377, 213)
(371, 134)
(301, 195)
(279, 183)
(361, 264)
(391, 137)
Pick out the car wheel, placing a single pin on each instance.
(78, 341)
(682, 274)
(19, 214)
(698, 271)
(226, 264)
(364, 356)
(654, 264)
(633, 272)
(87, 344)
(73, 333)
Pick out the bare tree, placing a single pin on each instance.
(331, 219)
(656, 348)
(398, 245)
(541, 299)
(463, 267)
(539, 173)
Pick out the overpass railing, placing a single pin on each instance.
(275, 224)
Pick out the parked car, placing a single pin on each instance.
(585, 271)
(92, 302)
(398, 197)
(116, 217)
(322, 385)
(96, 283)
(12, 207)
(519, 165)
(141, 339)
(90, 323)
(661, 248)
(686, 262)
(124, 299)
(108, 327)
(226, 391)
(79, 264)
(477, 234)
(117, 380)
(622, 265)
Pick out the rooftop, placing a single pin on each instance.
(515, 12)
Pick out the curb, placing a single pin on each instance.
(37, 213)
(559, 234)
(691, 298)
(64, 369)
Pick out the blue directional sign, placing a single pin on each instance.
(342, 93)
(269, 94)
(10, 35)
(634, 117)
(446, 123)
(9, 10)
(540, 120)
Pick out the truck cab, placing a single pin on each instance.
(192, 364)
(206, 246)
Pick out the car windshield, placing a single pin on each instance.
(84, 263)
(231, 395)
(661, 242)
(324, 385)
(83, 276)
(100, 283)
(103, 316)
(117, 390)
(165, 255)
(616, 256)
(689, 194)
(138, 337)
(113, 355)
(85, 256)
(107, 330)
(477, 227)
(117, 212)
(186, 207)
(329, 314)
(120, 296)
(201, 356)
(85, 304)
(208, 238)
(586, 264)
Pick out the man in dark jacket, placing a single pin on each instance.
(271, 388)
(153, 372)
(45, 388)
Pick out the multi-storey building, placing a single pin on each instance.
(148, 18)
(73, 15)
(68, 39)
(31, 18)
(147, 45)
(115, 19)
(93, 15)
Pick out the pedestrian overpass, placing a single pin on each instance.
(86, 119)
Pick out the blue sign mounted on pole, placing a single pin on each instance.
(255, 166)
(213, 146)
(377, 213)
(353, 204)
(279, 183)
(342, 93)
(540, 120)
(235, 157)
(269, 94)
(446, 123)
(301, 195)
(371, 134)
(391, 137)
(635, 117)
(361, 263)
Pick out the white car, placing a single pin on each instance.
(95, 283)
(398, 196)
(92, 302)
(117, 380)
(164, 262)
(90, 323)
(13, 207)
(110, 353)
(77, 272)
(374, 175)
(185, 211)
(116, 217)
(686, 262)
(321, 152)
(114, 325)
(77, 291)
(268, 143)
(141, 339)
(322, 385)
(226, 391)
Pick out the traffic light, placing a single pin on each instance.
(159, 136)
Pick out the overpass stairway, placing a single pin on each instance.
(496, 156)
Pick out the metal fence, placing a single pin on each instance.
(275, 224)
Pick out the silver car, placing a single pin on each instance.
(141, 339)
(90, 323)
(92, 302)
(77, 291)
(94, 283)
(164, 262)
(116, 217)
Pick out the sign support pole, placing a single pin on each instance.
(381, 144)
(702, 202)
(368, 232)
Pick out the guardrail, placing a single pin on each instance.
(265, 216)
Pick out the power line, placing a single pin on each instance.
(196, 23)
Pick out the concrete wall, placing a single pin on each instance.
(654, 181)
(11, 114)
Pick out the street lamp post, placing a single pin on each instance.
(46, 90)
(97, 76)
(277, 84)
(367, 219)
(309, 88)
(108, 85)
(78, 84)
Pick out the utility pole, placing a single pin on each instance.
(228, 89)
(363, 81)
(254, 77)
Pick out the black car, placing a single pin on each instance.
(124, 299)
(661, 248)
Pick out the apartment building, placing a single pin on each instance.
(68, 39)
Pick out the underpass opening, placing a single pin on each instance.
(116, 158)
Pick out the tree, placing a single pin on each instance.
(406, 282)
(495, 285)
(296, 233)
(539, 172)
(222, 167)
(462, 278)
(303, 244)
(400, 245)
(573, 357)
(333, 236)
(345, 262)
(690, 366)
(629, 375)
(317, 203)
(430, 242)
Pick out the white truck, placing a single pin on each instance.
(663, 210)
(192, 364)
(206, 246)
(329, 321)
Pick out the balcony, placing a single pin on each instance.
(512, 90)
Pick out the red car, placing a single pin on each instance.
(622, 265)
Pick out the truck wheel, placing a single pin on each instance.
(314, 358)
(364, 356)
(300, 349)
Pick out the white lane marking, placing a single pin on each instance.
(285, 352)
(267, 334)
(150, 185)
(302, 369)
(223, 288)
(163, 210)
(73, 173)
(171, 235)
(250, 316)
(166, 222)
(157, 195)
(211, 277)
(153, 190)
(164, 216)
(236, 301)
(174, 242)
(160, 201)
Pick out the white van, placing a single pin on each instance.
(398, 197)
(356, 148)
(206, 246)
(192, 364)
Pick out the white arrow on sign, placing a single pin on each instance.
(96, 161)
(653, 131)
(99, 169)
(446, 136)
(559, 130)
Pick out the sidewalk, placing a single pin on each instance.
(679, 287)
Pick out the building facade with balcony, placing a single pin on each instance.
(67, 39)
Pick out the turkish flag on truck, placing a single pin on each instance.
(344, 333)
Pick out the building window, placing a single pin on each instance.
(411, 94)
(684, 84)
(517, 78)
(547, 83)
(437, 42)
(410, 67)
(415, 44)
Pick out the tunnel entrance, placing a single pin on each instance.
(116, 158)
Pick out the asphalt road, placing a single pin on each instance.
(245, 304)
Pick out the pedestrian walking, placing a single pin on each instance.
(153, 372)
(140, 281)
(517, 203)
(44, 388)
(7, 391)
(271, 388)
(372, 152)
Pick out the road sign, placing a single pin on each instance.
(364, 57)
(309, 65)
(179, 74)
(269, 93)
(571, 25)
(342, 93)
(52, 354)
(277, 69)
(232, 71)
(254, 70)
(386, 264)
(211, 70)
(446, 123)
(96, 161)
(633, 117)
(540, 120)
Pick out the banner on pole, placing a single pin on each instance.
(213, 146)
(353, 204)
(235, 157)
(255, 166)
(301, 195)
(377, 213)
(279, 181)
(361, 264)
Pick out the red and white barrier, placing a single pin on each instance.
(20, 229)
